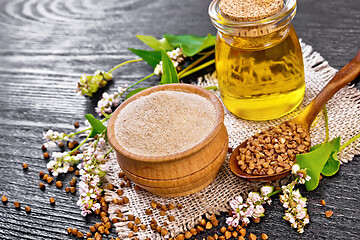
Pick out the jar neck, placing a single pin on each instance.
(275, 23)
(257, 42)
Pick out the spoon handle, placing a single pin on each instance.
(343, 77)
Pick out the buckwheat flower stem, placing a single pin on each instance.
(197, 68)
(275, 192)
(82, 143)
(194, 64)
(123, 63)
(107, 116)
(280, 190)
(211, 88)
(108, 152)
(82, 131)
(95, 142)
(349, 142)
(326, 125)
(148, 76)
(87, 137)
(203, 53)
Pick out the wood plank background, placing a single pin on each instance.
(46, 45)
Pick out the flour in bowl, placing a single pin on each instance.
(165, 122)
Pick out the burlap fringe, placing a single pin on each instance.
(200, 203)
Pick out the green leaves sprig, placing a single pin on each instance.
(315, 160)
(169, 74)
(190, 44)
(322, 158)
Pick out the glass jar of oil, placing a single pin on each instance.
(259, 63)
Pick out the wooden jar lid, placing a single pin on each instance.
(249, 10)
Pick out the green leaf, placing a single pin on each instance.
(169, 72)
(332, 165)
(314, 162)
(191, 44)
(154, 43)
(135, 91)
(336, 144)
(97, 126)
(316, 146)
(151, 57)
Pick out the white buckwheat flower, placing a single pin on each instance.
(300, 173)
(177, 57)
(251, 208)
(109, 101)
(295, 213)
(55, 137)
(92, 169)
(62, 162)
(158, 69)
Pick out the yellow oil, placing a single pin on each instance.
(260, 78)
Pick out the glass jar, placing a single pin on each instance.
(259, 64)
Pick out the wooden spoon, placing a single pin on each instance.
(347, 74)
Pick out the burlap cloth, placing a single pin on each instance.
(344, 116)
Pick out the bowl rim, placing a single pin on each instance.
(183, 87)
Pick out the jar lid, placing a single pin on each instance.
(249, 10)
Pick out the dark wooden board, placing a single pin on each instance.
(45, 46)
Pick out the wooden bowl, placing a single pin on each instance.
(181, 173)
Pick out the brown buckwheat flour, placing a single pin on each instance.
(164, 122)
